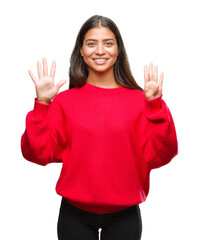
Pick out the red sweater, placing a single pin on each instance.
(108, 141)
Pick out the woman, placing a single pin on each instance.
(107, 131)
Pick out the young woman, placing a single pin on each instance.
(107, 131)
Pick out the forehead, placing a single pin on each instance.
(99, 33)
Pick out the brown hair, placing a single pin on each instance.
(78, 71)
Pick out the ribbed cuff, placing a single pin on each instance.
(40, 109)
(153, 105)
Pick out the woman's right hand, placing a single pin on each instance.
(46, 90)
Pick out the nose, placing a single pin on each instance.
(100, 49)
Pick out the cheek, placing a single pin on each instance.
(113, 52)
(88, 52)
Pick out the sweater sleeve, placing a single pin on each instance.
(44, 139)
(159, 139)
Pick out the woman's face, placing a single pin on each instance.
(99, 49)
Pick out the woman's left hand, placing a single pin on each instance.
(152, 87)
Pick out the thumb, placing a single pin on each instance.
(60, 84)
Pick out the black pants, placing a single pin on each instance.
(77, 224)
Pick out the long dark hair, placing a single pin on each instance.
(78, 71)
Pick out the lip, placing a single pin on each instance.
(99, 62)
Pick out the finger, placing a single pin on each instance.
(53, 68)
(151, 71)
(39, 69)
(32, 76)
(146, 74)
(161, 80)
(45, 67)
(60, 84)
(156, 74)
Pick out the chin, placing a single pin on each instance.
(102, 70)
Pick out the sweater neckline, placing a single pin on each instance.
(104, 90)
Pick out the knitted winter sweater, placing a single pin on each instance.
(107, 139)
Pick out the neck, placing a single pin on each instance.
(102, 79)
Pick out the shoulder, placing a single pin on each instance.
(135, 99)
(136, 95)
(61, 96)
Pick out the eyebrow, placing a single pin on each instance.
(94, 40)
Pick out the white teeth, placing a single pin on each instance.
(100, 59)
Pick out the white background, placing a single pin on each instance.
(164, 32)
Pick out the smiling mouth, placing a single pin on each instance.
(100, 60)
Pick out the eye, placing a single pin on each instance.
(91, 44)
(109, 44)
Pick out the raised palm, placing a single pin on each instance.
(152, 87)
(46, 90)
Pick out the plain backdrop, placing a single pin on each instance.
(163, 32)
